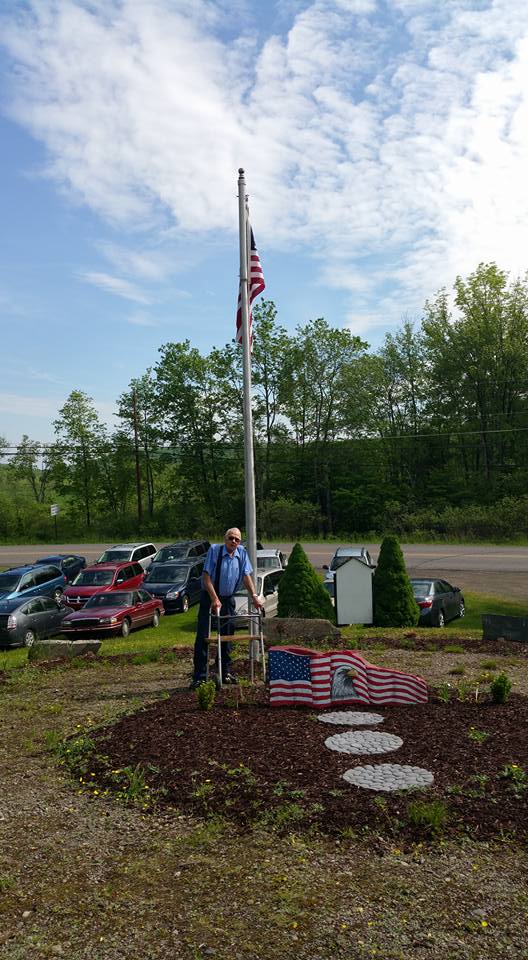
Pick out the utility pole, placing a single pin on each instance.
(138, 468)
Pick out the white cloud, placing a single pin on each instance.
(117, 285)
(34, 406)
(391, 137)
(142, 320)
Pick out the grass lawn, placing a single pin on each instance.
(178, 629)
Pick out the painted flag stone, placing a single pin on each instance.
(350, 718)
(363, 741)
(389, 776)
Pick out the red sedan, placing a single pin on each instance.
(114, 612)
(102, 577)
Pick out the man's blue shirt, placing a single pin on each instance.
(233, 568)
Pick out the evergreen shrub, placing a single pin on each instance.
(301, 593)
(392, 595)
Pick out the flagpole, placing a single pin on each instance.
(249, 475)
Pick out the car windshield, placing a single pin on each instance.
(242, 591)
(94, 578)
(113, 556)
(55, 560)
(421, 587)
(166, 574)
(8, 581)
(170, 553)
(111, 600)
(268, 563)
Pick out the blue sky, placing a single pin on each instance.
(385, 144)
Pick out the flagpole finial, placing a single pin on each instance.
(241, 170)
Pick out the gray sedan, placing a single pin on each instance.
(23, 622)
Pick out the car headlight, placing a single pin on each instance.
(173, 594)
(108, 620)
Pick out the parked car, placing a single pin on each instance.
(103, 577)
(114, 612)
(142, 553)
(438, 602)
(182, 550)
(32, 580)
(271, 560)
(340, 557)
(69, 563)
(267, 586)
(23, 622)
(177, 584)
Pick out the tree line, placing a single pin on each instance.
(428, 435)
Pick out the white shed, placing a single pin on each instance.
(353, 592)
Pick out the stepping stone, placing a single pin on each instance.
(389, 776)
(363, 741)
(350, 718)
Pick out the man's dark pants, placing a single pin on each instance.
(227, 629)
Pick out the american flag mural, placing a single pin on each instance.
(256, 285)
(307, 677)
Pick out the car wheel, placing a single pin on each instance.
(462, 609)
(125, 628)
(57, 595)
(184, 603)
(29, 638)
(440, 619)
(156, 619)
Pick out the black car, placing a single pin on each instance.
(439, 602)
(182, 550)
(177, 584)
(22, 622)
(69, 563)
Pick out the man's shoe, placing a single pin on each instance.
(230, 678)
(196, 683)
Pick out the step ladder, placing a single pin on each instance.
(255, 640)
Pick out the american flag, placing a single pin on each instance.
(256, 285)
(302, 676)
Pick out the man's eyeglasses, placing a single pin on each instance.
(234, 539)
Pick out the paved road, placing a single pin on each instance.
(436, 557)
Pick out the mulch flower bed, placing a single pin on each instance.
(249, 762)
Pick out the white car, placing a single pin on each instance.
(340, 557)
(267, 589)
(142, 553)
(271, 560)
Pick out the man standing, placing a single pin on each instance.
(226, 567)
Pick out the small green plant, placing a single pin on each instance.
(453, 648)
(458, 670)
(75, 753)
(489, 664)
(132, 785)
(464, 690)
(428, 817)
(500, 688)
(480, 736)
(444, 692)
(206, 694)
(517, 777)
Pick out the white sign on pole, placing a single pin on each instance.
(54, 509)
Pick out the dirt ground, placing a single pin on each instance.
(85, 876)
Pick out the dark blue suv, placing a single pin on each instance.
(37, 580)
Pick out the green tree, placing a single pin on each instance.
(25, 466)
(81, 442)
(393, 598)
(301, 593)
(476, 366)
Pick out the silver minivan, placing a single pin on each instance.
(142, 553)
(340, 557)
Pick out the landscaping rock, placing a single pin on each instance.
(278, 629)
(55, 648)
